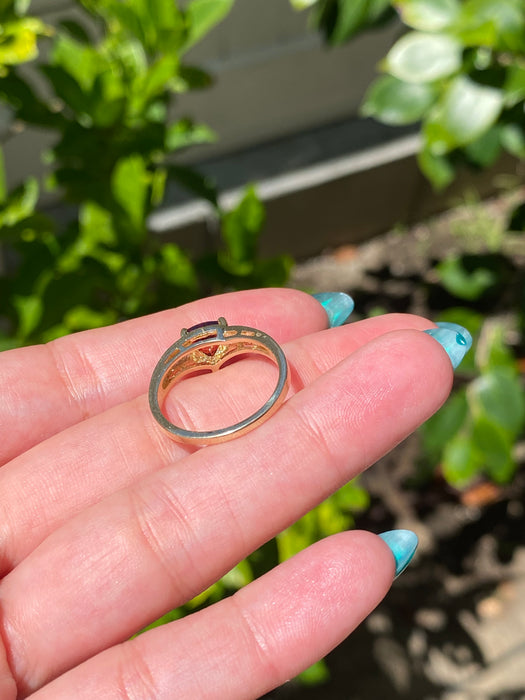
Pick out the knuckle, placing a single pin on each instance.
(134, 678)
(166, 534)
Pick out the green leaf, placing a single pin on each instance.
(494, 353)
(26, 104)
(185, 133)
(486, 149)
(512, 137)
(107, 100)
(176, 267)
(129, 185)
(7, 343)
(444, 425)
(514, 87)
(351, 16)
(466, 111)
(196, 183)
(202, 16)
(397, 102)
(297, 537)
(81, 318)
(29, 310)
(517, 219)
(20, 203)
(316, 674)
(331, 518)
(461, 283)
(461, 460)
(428, 15)
(342, 19)
(420, 57)
(67, 89)
(191, 78)
(240, 232)
(498, 396)
(302, 4)
(76, 30)
(352, 497)
(272, 272)
(238, 577)
(82, 62)
(499, 24)
(437, 168)
(495, 447)
(19, 40)
(153, 82)
(95, 227)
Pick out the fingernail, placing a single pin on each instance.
(337, 305)
(458, 329)
(455, 339)
(403, 544)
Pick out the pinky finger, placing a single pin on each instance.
(254, 641)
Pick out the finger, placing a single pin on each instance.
(252, 642)
(58, 478)
(49, 387)
(8, 690)
(145, 550)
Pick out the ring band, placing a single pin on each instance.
(207, 346)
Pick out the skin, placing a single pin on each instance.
(106, 524)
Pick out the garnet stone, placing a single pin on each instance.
(202, 325)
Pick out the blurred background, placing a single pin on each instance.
(155, 152)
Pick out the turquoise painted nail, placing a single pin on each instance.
(455, 339)
(458, 329)
(403, 544)
(337, 305)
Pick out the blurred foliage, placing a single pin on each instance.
(459, 70)
(475, 433)
(105, 91)
(339, 20)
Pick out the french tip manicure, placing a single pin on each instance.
(455, 339)
(337, 305)
(403, 544)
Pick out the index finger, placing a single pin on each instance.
(47, 388)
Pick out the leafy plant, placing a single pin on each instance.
(339, 20)
(108, 100)
(476, 431)
(460, 71)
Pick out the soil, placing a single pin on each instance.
(453, 625)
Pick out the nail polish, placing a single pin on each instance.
(455, 339)
(403, 544)
(337, 305)
(458, 329)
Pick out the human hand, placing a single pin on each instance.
(106, 524)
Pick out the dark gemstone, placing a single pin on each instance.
(202, 325)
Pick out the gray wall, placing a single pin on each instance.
(274, 78)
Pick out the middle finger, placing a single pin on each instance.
(52, 482)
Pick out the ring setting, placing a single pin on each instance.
(208, 346)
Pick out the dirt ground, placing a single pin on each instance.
(453, 625)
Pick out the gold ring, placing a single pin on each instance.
(207, 346)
